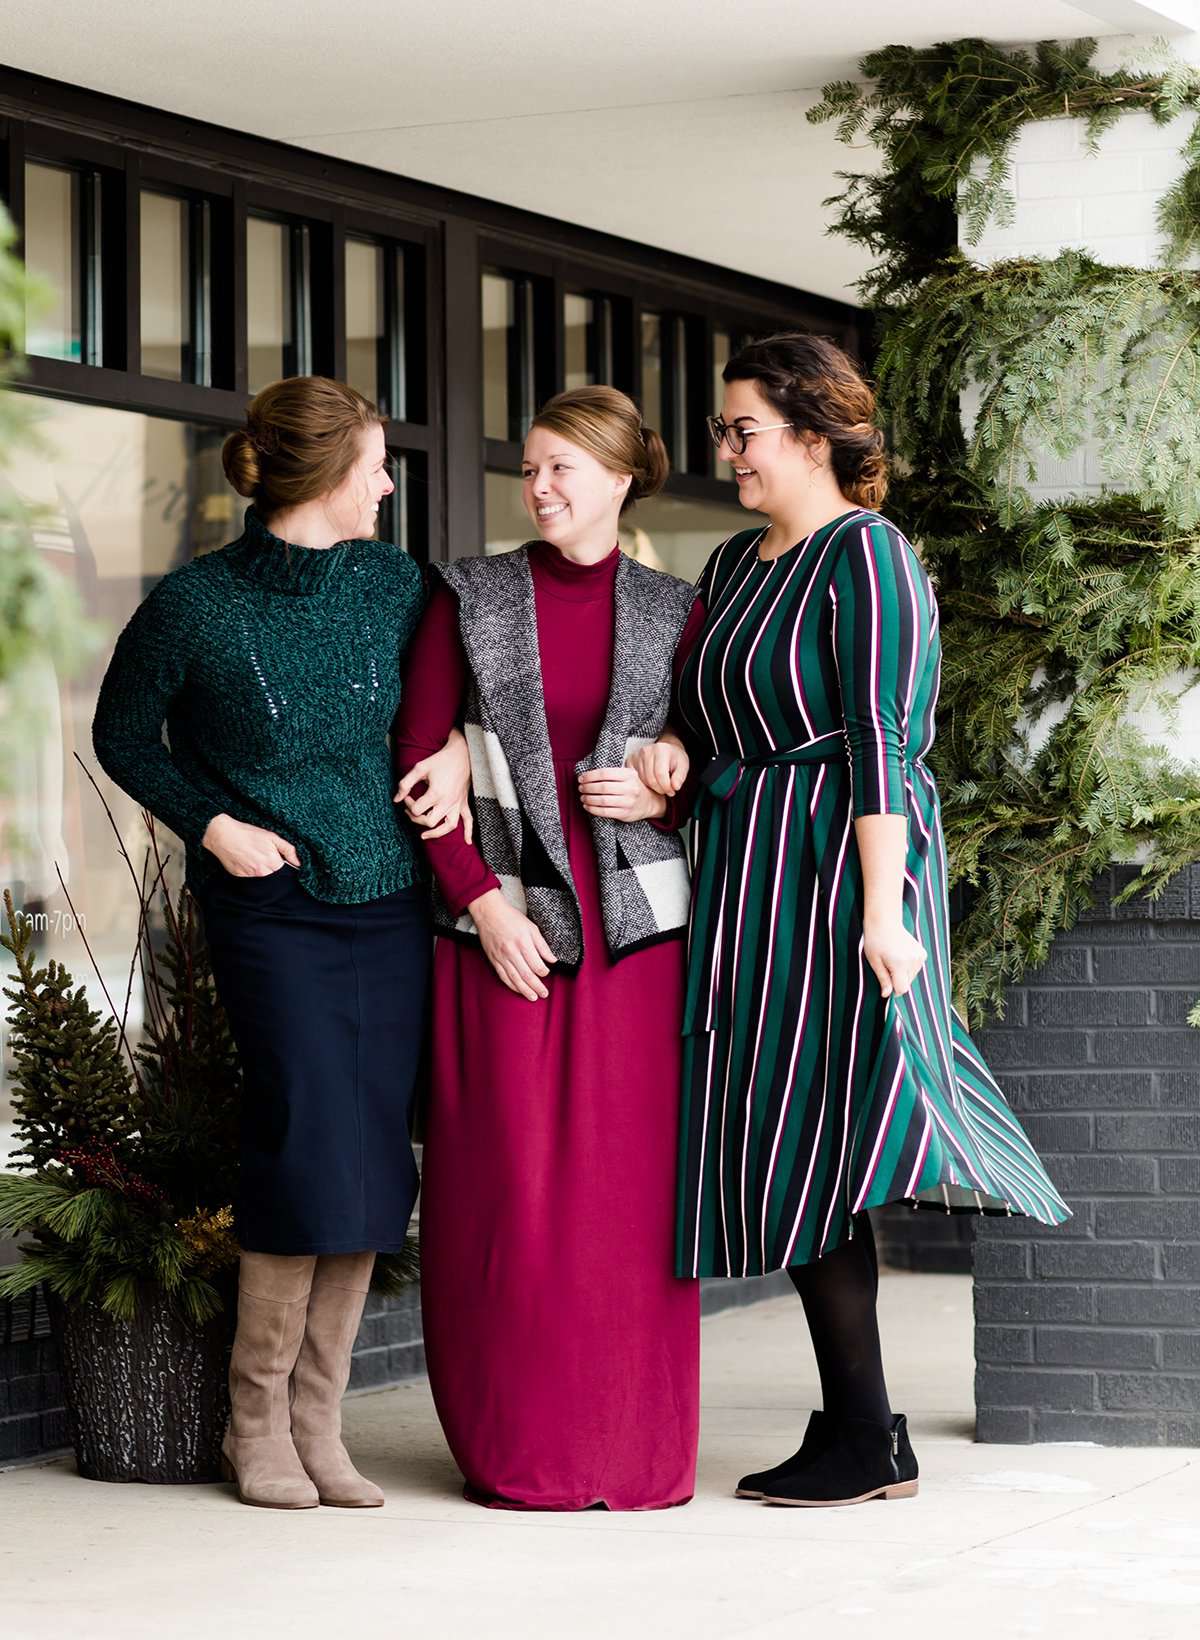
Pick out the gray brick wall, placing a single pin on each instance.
(919, 1240)
(1091, 1332)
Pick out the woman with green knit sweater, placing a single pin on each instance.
(275, 665)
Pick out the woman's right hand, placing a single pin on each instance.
(245, 850)
(663, 765)
(512, 944)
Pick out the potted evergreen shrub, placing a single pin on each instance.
(128, 1158)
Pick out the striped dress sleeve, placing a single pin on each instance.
(881, 634)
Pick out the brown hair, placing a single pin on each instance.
(300, 440)
(811, 382)
(608, 425)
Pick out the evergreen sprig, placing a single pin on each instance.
(94, 1246)
(73, 1083)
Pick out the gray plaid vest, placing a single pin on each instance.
(643, 871)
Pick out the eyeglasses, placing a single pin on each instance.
(737, 437)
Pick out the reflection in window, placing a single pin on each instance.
(722, 351)
(680, 536)
(652, 371)
(506, 523)
(404, 516)
(271, 321)
(579, 341)
(508, 390)
(166, 263)
(53, 235)
(366, 319)
(664, 532)
(118, 500)
(587, 340)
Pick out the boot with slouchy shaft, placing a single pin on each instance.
(257, 1450)
(863, 1461)
(322, 1371)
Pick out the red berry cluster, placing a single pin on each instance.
(98, 1166)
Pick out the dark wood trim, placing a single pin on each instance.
(120, 391)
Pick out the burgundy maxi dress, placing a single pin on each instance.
(563, 1352)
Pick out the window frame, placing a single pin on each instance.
(446, 238)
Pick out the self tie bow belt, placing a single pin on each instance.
(721, 776)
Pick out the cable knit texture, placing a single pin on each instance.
(276, 670)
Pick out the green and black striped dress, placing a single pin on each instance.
(808, 1096)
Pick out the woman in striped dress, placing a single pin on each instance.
(825, 1068)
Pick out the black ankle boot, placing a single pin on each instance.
(821, 1430)
(862, 1461)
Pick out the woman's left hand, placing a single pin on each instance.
(895, 957)
(619, 794)
(443, 803)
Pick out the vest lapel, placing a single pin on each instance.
(639, 656)
(501, 643)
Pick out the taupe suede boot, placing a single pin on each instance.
(322, 1371)
(258, 1451)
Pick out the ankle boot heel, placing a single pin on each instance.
(902, 1489)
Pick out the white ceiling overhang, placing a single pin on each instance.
(680, 125)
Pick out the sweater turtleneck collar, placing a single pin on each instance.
(280, 566)
(569, 578)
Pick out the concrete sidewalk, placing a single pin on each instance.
(1061, 1541)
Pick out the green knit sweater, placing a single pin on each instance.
(276, 670)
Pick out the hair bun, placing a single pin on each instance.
(239, 457)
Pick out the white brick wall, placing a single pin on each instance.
(1104, 203)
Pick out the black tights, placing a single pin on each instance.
(839, 1293)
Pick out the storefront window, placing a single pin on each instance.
(665, 532)
(722, 350)
(270, 306)
(166, 268)
(119, 499)
(579, 347)
(53, 236)
(366, 318)
(403, 517)
(508, 363)
(652, 371)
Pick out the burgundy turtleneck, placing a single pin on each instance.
(574, 605)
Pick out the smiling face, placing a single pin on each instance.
(777, 464)
(571, 497)
(353, 508)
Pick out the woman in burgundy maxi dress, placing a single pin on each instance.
(563, 1352)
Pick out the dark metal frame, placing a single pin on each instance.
(446, 239)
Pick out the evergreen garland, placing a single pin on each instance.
(1064, 615)
(945, 118)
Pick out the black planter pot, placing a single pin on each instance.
(147, 1400)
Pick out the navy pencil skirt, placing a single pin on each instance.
(327, 1004)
